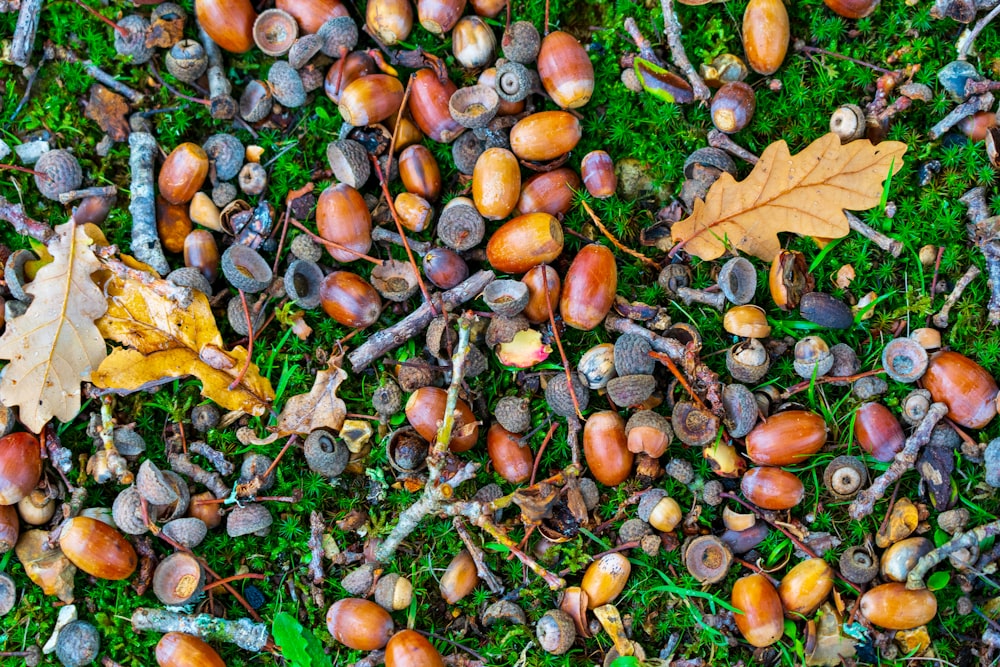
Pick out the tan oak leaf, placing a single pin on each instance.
(804, 193)
(55, 345)
(320, 408)
(169, 342)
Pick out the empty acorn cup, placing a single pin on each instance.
(245, 269)
(506, 297)
(302, 283)
(395, 280)
(474, 106)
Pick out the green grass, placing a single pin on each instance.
(661, 597)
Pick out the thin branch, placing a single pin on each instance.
(618, 244)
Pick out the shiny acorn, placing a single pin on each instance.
(97, 548)
(524, 242)
(765, 35)
(762, 621)
(787, 438)
(425, 410)
(964, 386)
(589, 287)
(772, 488)
(359, 624)
(565, 70)
(176, 649)
(605, 447)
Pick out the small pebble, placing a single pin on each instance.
(4, 149)
(29, 152)
(992, 461)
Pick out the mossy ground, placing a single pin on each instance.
(626, 125)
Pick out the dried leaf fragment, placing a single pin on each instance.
(170, 342)
(48, 568)
(320, 408)
(108, 109)
(825, 646)
(55, 345)
(805, 193)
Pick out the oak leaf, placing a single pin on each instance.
(320, 408)
(109, 110)
(169, 342)
(805, 193)
(55, 345)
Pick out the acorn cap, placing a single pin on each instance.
(474, 106)
(303, 247)
(349, 161)
(254, 466)
(186, 60)
(153, 486)
(630, 389)
(359, 582)
(514, 81)
(326, 454)
(252, 179)
(286, 85)
(465, 151)
(256, 101)
(460, 225)
(692, 425)
(133, 42)
(632, 355)
(338, 36)
(204, 418)
(177, 508)
(844, 476)
(680, 470)
(387, 399)
(741, 409)
(250, 519)
(650, 499)
(227, 153)
(303, 280)
(506, 297)
(748, 361)
(238, 319)
(128, 442)
(649, 419)
(304, 49)
(513, 413)
(858, 565)
(557, 394)
(556, 632)
(441, 336)
(187, 531)
(78, 644)
(503, 611)
(411, 378)
(476, 362)
(127, 512)
(521, 42)
(738, 280)
(275, 31)
(222, 195)
(633, 530)
(62, 173)
(715, 158)
(245, 269)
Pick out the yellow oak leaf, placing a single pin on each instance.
(170, 342)
(55, 345)
(805, 194)
(320, 408)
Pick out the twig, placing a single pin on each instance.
(116, 462)
(974, 104)
(244, 633)
(966, 540)
(63, 54)
(106, 191)
(24, 225)
(889, 245)
(984, 230)
(669, 363)
(618, 244)
(145, 239)
(104, 19)
(562, 352)
(250, 336)
(724, 142)
(222, 104)
(182, 465)
(541, 450)
(173, 91)
(235, 577)
(964, 44)
(805, 384)
(622, 325)
(672, 28)
(940, 318)
(864, 504)
(331, 244)
(215, 457)
(645, 48)
(316, 528)
(492, 581)
(386, 236)
(289, 198)
(497, 533)
(24, 32)
(801, 47)
(403, 106)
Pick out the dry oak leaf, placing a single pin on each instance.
(320, 408)
(170, 342)
(55, 345)
(805, 193)
(108, 109)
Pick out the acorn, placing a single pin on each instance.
(762, 621)
(186, 60)
(425, 410)
(589, 287)
(10, 529)
(176, 649)
(173, 224)
(605, 579)
(419, 171)
(370, 99)
(556, 632)
(539, 280)
(806, 587)
(899, 559)
(708, 559)
(20, 466)
(408, 648)
(605, 447)
(852, 9)
(511, 459)
(848, 122)
(461, 226)
(414, 212)
(964, 386)
(565, 70)
(496, 183)
(513, 413)
(183, 173)
(748, 361)
(429, 99)
(844, 476)
(346, 71)
(445, 267)
(513, 83)
(549, 192)
(62, 173)
(894, 607)
(178, 579)
(747, 322)
(36, 508)
(733, 107)
(97, 548)
(598, 171)
(825, 310)
(342, 217)
(521, 42)
(648, 432)
(694, 426)
(765, 35)
(787, 438)
(905, 360)
(228, 22)
(325, 454)
(390, 20)
(630, 390)
(545, 135)
(878, 431)
(460, 578)
(525, 242)
(789, 279)
(359, 624)
(472, 41)
(660, 510)
(251, 519)
(312, 14)
(350, 300)
(772, 488)
(438, 17)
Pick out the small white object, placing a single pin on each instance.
(66, 616)
(4, 149)
(29, 152)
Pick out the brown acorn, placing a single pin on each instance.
(545, 135)
(460, 578)
(370, 99)
(511, 459)
(10, 528)
(605, 579)
(765, 35)
(429, 98)
(176, 649)
(425, 411)
(359, 624)
(312, 14)
(605, 447)
(878, 431)
(183, 173)
(852, 9)
(772, 488)
(733, 107)
(964, 386)
(806, 587)
(549, 192)
(342, 217)
(525, 242)
(20, 466)
(409, 648)
(346, 71)
(787, 438)
(228, 22)
(565, 70)
(598, 171)
(390, 20)
(445, 267)
(173, 224)
(762, 621)
(178, 579)
(350, 299)
(419, 171)
(97, 549)
(894, 607)
(438, 17)
(540, 280)
(589, 287)
(496, 183)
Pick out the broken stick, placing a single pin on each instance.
(244, 633)
(24, 32)
(145, 239)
